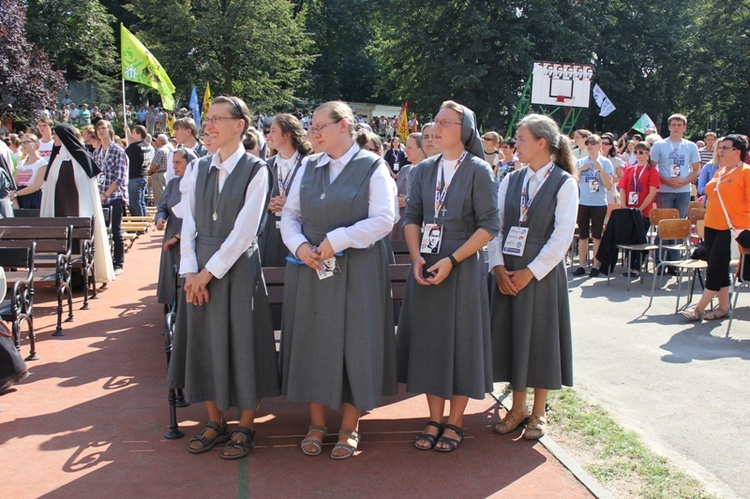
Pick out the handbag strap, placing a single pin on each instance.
(721, 201)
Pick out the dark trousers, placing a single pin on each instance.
(635, 263)
(116, 208)
(718, 248)
(11, 362)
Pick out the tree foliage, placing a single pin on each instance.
(26, 77)
(252, 48)
(78, 37)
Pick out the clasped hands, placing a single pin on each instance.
(512, 282)
(438, 272)
(277, 203)
(196, 291)
(314, 256)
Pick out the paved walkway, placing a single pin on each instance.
(90, 422)
(682, 386)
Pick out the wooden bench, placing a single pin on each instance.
(57, 241)
(274, 277)
(21, 213)
(18, 307)
(82, 258)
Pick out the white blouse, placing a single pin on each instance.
(557, 245)
(245, 227)
(381, 212)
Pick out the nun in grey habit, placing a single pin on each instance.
(443, 340)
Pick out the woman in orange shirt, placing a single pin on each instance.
(730, 187)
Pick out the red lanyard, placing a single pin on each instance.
(441, 188)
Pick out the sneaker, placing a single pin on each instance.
(594, 272)
(579, 272)
(118, 270)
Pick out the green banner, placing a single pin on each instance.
(139, 66)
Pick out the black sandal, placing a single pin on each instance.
(432, 439)
(206, 444)
(452, 442)
(243, 445)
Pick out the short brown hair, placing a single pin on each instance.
(237, 108)
(679, 117)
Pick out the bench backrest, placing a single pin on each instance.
(17, 257)
(47, 239)
(82, 226)
(400, 251)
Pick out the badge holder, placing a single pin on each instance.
(432, 238)
(675, 171)
(593, 186)
(633, 199)
(515, 243)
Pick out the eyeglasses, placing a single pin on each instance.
(591, 143)
(319, 128)
(216, 119)
(444, 123)
(726, 148)
(27, 142)
(606, 143)
(641, 152)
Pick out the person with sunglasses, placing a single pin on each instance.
(638, 188)
(491, 141)
(595, 178)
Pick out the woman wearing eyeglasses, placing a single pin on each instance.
(595, 179)
(727, 208)
(638, 188)
(338, 335)
(224, 352)
(287, 137)
(444, 348)
(30, 174)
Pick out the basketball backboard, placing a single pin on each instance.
(561, 84)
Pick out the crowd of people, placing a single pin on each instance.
(325, 194)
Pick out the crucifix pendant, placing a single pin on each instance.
(444, 210)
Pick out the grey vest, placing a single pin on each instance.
(346, 201)
(540, 218)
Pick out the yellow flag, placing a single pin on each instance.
(206, 100)
(402, 122)
(140, 66)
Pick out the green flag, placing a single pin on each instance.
(138, 65)
(644, 123)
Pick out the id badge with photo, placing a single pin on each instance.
(330, 268)
(633, 199)
(674, 171)
(396, 166)
(515, 243)
(593, 186)
(432, 237)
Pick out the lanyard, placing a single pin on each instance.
(284, 183)
(526, 197)
(636, 181)
(441, 188)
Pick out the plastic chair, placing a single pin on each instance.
(679, 230)
(738, 282)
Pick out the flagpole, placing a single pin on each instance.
(124, 108)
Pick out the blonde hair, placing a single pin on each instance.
(339, 111)
(544, 127)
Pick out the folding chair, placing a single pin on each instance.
(738, 282)
(679, 230)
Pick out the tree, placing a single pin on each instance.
(26, 77)
(252, 48)
(717, 89)
(78, 37)
(344, 33)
